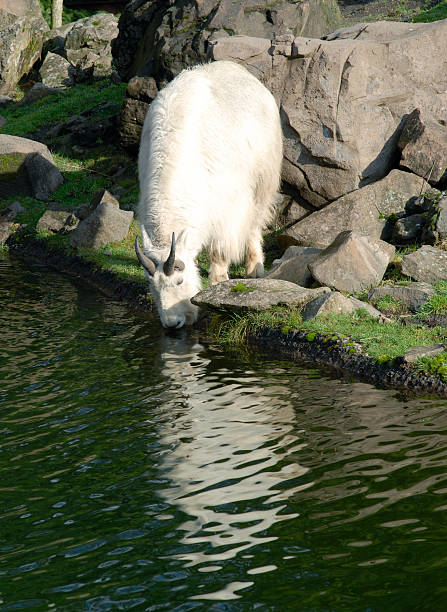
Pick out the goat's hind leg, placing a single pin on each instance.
(254, 258)
(218, 268)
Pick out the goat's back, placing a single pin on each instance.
(210, 157)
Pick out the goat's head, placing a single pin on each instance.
(172, 281)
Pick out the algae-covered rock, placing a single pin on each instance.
(254, 294)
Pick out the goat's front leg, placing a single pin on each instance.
(254, 258)
(218, 268)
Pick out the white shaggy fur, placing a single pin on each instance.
(209, 168)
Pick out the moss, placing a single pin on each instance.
(311, 337)
(241, 287)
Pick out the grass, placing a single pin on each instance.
(434, 13)
(390, 305)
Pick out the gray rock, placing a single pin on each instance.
(56, 71)
(373, 312)
(352, 262)
(441, 218)
(22, 29)
(140, 93)
(5, 100)
(408, 228)
(362, 211)
(423, 144)
(44, 176)
(417, 352)
(10, 212)
(105, 224)
(160, 38)
(413, 295)
(57, 221)
(37, 92)
(427, 264)
(255, 294)
(328, 303)
(99, 197)
(20, 176)
(6, 230)
(292, 266)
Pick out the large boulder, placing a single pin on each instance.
(352, 262)
(344, 99)
(22, 29)
(26, 168)
(413, 295)
(159, 38)
(292, 266)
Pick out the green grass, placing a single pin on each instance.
(390, 305)
(432, 14)
(437, 366)
(383, 342)
(61, 107)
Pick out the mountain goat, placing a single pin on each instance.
(209, 168)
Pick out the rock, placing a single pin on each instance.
(413, 295)
(105, 224)
(343, 100)
(86, 132)
(427, 264)
(352, 262)
(417, 352)
(336, 303)
(37, 92)
(10, 212)
(290, 211)
(44, 176)
(5, 100)
(328, 303)
(6, 230)
(373, 312)
(160, 39)
(22, 29)
(423, 144)
(408, 228)
(56, 71)
(99, 197)
(441, 218)
(21, 163)
(255, 294)
(57, 221)
(140, 93)
(292, 266)
(362, 211)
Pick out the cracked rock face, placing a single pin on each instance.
(344, 99)
(161, 37)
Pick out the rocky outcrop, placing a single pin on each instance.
(57, 222)
(159, 38)
(22, 29)
(336, 303)
(79, 51)
(26, 168)
(140, 93)
(352, 262)
(255, 294)
(344, 99)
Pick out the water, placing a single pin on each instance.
(150, 472)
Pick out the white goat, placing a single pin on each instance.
(209, 168)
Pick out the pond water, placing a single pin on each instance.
(146, 471)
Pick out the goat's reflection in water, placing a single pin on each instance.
(230, 455)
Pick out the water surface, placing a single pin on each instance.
(146, 471)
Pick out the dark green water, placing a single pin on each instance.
(149, 472)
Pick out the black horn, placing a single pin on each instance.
(144, 260)
(168, 266)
